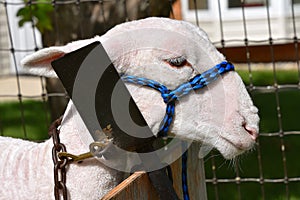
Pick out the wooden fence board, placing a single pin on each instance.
(262, 53)
(195, 174)
(138, 185)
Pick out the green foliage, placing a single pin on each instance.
(39, 13)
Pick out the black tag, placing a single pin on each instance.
(100, 96)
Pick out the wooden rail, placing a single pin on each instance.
(138, 185)
(288, 52)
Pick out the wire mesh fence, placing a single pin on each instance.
(260, 36)
(283, 183)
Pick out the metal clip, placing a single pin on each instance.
(98, 149)
(75, 158)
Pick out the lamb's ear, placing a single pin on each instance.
(39, 63)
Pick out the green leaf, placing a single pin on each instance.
(40, 12)
(22, 11)
(21, 22)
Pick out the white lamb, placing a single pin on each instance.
(221, 115)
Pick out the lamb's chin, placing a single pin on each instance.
(230, 150)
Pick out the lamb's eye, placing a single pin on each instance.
(177, 61)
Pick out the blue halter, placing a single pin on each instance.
(170, 97)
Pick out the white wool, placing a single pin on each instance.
(219, 115)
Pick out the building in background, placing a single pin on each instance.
(232, 19)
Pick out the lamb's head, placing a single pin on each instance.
(172, 52)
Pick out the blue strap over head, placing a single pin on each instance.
(170, 97)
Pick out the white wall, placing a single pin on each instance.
(4, 44)
(24, 40)
(256, 21)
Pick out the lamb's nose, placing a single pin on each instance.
(253, 109)
(253, 132)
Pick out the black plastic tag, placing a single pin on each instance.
(100, 96)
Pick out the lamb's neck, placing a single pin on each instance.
(90, 173)
(73, 132)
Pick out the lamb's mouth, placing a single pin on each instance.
(239, 146)
(234, 149)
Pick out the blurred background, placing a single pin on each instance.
(259, 36)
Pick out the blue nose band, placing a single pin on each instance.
(171, 96)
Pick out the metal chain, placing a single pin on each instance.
(60, 163)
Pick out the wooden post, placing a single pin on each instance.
(138, 185)
(195, 172)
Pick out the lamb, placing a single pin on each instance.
(171, 52)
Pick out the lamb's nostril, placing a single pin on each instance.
(251, 131)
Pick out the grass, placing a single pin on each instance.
(266, 77)
(35, 124)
